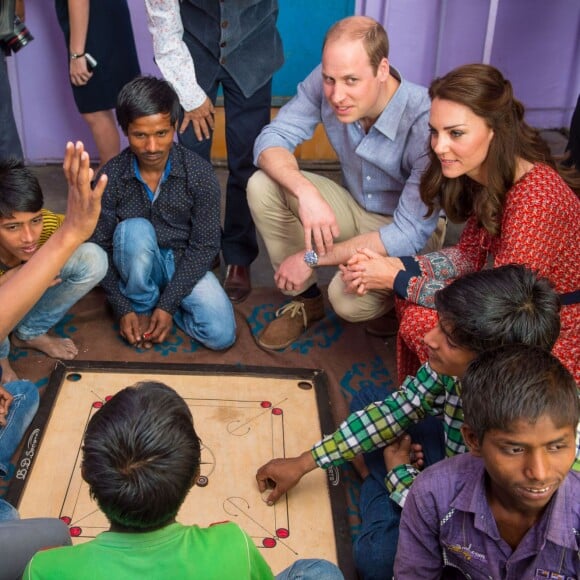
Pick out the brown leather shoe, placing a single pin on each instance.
(384, 326)
(237, 283)
(291, 321)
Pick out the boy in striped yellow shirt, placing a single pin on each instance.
(24, 227)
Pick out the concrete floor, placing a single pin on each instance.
(54, 188)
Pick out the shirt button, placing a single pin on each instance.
(368, 177)
(222, 44)
(222, 61)
(225, 24)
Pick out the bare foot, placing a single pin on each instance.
(63, 348)
(401, 452)
(8, 374)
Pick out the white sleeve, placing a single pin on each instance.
(171, 53)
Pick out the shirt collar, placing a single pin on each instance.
(561, 513)
(389, 120)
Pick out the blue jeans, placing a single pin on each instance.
(245, 117)
(81, 273)
(20, 414)
(311, 570)
(376, 545)
(145, 269)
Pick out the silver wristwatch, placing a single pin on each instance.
(311, 258)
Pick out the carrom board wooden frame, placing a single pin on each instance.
(236, 409)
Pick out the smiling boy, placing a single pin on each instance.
(476, 312)
(24, 227)
(509, 508)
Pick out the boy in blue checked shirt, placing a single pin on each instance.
(478, 311)
(509, 508)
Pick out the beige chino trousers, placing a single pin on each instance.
(275, 213)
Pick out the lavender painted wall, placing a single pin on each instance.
(535, 42)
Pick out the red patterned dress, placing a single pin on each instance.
(540, 228)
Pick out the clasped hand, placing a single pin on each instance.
(367, 270)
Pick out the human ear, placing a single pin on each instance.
(384, 69)
(471, 440)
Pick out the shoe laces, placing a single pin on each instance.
(294, 308)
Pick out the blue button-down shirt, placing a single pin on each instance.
(447, 522)
(382, 168)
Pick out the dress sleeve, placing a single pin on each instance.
(438, 269)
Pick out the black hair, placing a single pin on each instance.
(505, 305)
(514, 382)
(145, 96)
(140, 456)
(19, 189)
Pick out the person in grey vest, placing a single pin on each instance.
(200, 45)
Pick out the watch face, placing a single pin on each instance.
(311, 258)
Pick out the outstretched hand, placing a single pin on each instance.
(84, 202)
(281, 475)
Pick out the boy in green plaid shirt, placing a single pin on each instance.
(423, 418)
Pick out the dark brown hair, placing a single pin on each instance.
(484, 90)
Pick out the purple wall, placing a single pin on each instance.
(534, 42)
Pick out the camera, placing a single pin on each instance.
(18, 39)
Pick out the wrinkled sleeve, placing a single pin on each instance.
(380, 423)
(103, 236)
(399, 481)
(296, 120)
(171, 53)
(410, 229)
(418, 552)
(438, 269)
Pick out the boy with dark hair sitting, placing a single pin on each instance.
(477, 311)
(20, 539)
(141, 456)
(509, 508)
(24, 227)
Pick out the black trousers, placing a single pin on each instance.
(244, 118)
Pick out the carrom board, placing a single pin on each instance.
(244, 416)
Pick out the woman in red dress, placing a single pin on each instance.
(492, 170)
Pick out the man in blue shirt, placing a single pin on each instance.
(377, 123)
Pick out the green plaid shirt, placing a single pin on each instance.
(378, 424)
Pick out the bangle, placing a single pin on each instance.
(75, 55)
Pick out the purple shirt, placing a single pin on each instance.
(447, 523)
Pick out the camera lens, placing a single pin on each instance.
(20, 38)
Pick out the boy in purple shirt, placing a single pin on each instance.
(509, 508)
